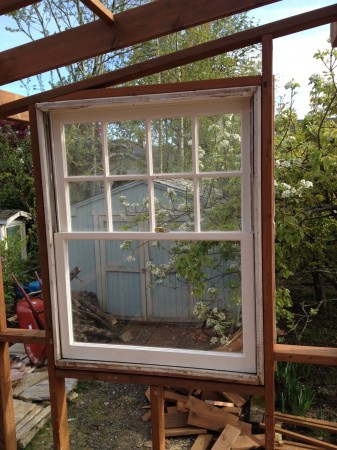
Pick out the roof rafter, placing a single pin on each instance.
(100, 10)
(131, 27)
(8, 6)
(253, 36)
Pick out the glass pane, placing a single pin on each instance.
(174, 206)
(87, 205)
(126, 147)
(130, 206)
(172, 145)
(220, 143)
(158, 294)
(220, 204)
(84, 148)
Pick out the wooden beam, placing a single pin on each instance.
(131, 27)
(100, 10)
(23, 336)
(6, 97)
(306, 354)
(267, 219)
(180, 58)
(7, 422)
(333, 34)
(8, 6)
(157, 417)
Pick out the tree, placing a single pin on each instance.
(306, 193)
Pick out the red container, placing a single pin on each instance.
(35, 352)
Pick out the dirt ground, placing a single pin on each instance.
(108, 416)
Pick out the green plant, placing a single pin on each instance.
(292, 394)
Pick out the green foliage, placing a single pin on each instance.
(306, 193)
(294, 393)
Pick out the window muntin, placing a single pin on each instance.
(196, 218)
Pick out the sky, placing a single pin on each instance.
(293, 55)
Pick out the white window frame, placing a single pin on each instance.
(247, 365)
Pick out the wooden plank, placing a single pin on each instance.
(29, 380)
(211, 421)
(248, 442)
(267, 219)
(194, 404)
(306, 354)
(58, 398)
(8, 6)
(26, 434)
(21, 409)
(175, 420)
(100, 10)
(6, 97)
(307, 422)
(235, 398)
(173, 396)
(23, 336)
(333, 34)
(184, 431)
(226, 438)
(305, 439)
(298, 445)
(202, 442)
(7, 421)
(131, 27)
(157, 416)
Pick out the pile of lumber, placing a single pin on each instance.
(224, 421)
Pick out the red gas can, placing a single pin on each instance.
(27, 320)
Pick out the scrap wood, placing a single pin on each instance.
(174, 396)
(184, 431)
(29, 380)
(291, 445)
(302, 438)
(211, 421)
(176, 419)
(26, 434)
(237, 399)
(221, 404)
(249, 442)
(195, 404)
(307, 422)
(226, 438)
(234, 345)
(202, 442)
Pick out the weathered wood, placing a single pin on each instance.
(226, 438)
(26, 433)
(157, 417)
(8, 6)
(131, 27)
(58, 399)
(184, 431)
(29, 380)
(306, 354)
(100, 10)
(7, 422)
(202, 442)
(23, 336)
(267, 219)
(249, 442)
(307, 422)
(305, 439)
(21, 409)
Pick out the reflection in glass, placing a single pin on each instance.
(220, 200)
(172, 145)
(219, 143)
(83, 143)
(156, 293)
(126, 147)
(87, 205)
(174, 207)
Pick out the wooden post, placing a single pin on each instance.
(268, 258)
(58, 399)
(7, 420)
(157, 417)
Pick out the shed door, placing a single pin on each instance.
(128, 289)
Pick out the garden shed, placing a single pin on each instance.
(13, 222)
(88, 106)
